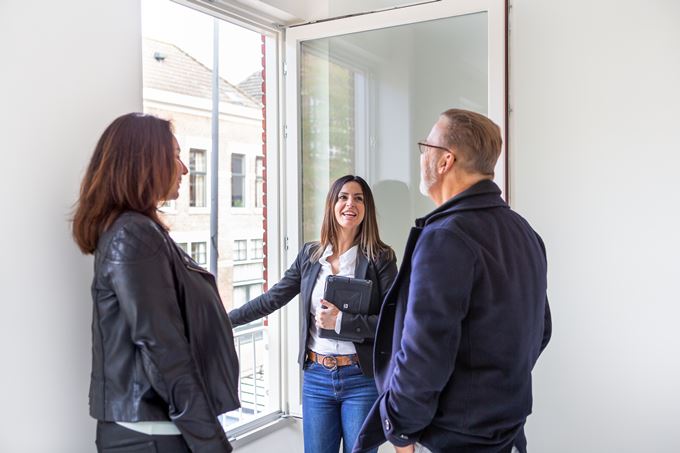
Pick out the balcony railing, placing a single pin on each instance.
(252, 348)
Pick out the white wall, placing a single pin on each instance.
(595, 151)
(595, 147)
(68, 69)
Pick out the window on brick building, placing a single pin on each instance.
(198, 175)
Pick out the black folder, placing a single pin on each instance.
(350, 295)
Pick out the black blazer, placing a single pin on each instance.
(300, 279)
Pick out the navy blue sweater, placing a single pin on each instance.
(461, 329)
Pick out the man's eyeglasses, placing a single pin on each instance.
(422, 147)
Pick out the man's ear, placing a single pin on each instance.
(446, 162)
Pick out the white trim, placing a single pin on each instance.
(243, 434)
(247, 282)
(153, 98)
(251, 14)
(275, 213)
(390, 18)
(495, 10)
(193, 237)
(198, 143)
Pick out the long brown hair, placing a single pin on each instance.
(367, 238)
(132, 169)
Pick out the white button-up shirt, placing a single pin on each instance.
(348, 264)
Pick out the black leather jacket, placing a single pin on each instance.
(301, 277)
(162, 344)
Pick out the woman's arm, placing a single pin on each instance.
(363, 327)
(277, 296)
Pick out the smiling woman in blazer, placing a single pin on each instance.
(338, 388)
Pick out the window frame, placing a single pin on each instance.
(276, 259)
(283, 153)
(193, 237)
(236, 249)
(242, 175)
(186, 144)
(292, 156)
(255, 256)
(259, 179)
(193, 173)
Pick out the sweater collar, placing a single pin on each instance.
(482, 195)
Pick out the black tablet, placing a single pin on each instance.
(350, 295)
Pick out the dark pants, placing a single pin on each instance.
(113, 438)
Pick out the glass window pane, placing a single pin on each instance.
(259, 182)
(256, 249)
(255, 291)
(240, 252)
(197, 178)
(240, 296)
(178, 76)
(367, 98)
(237, 164)
(237, 180)
(199, 253)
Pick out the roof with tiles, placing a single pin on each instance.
(167, 67)
(252, 86)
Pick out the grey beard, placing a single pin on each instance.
(423, 187)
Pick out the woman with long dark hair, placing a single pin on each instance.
(338, 388)
(163, 359)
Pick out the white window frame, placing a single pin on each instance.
(284, 215)
(496, 14)
(186, 143)
(249, 153)
(168, 207)
(233, 251)
(251, 242)
(192, 237)
(243, 174)
(193, 173)
(257, 199)
(277, 260)
(247, 283)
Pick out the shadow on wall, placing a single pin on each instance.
(395, 215)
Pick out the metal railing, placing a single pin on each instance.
(251, 346)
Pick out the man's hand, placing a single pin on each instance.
(325, 317)
(407, 449)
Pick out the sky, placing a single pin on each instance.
(192, 31)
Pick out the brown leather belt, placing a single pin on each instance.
(332, 361)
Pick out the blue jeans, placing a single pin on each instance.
(335, 404)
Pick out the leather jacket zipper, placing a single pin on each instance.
(191, 267)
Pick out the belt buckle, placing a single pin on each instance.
(332, 359)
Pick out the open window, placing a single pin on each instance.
(216, 80)
(361, 91)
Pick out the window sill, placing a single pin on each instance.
(252, 261)
(258, 429)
